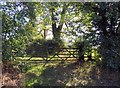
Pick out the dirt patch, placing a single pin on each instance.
(11, 75)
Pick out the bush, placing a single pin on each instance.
(43, 48)
(85, 45)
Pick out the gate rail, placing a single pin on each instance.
(64, 54)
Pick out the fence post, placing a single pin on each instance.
(80, 52)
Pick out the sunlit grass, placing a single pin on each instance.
(35, 69)
(31, 82)
(58, 74)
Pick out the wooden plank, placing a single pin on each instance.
(48, 60)
(67, 54)
(69, 51)
(69, 48)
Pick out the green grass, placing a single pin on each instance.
(65, 74)
(53, 74)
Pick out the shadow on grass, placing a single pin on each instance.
(72, 74)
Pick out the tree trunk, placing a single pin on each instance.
(103, 23)
(45, 33)
(57, 30)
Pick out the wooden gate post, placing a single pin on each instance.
(80, 52)
(89, 57)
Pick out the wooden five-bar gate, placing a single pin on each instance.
(63, 54)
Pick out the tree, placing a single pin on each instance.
(102, 24)
(15, 33)
(56, 30)
(106, 23)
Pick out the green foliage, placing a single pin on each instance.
(106, 21)
(13, 38)
(110, 51)
(43, 48)
(17, 31)
(86, 48)
(102, 21)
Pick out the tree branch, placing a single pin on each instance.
(118, 27)
(62, 16)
